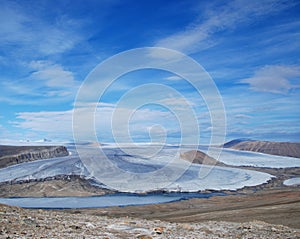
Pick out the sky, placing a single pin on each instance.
(250, 49)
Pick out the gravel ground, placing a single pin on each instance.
(23, 223)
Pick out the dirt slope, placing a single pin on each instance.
(198, 157)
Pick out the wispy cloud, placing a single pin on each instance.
(26, 36)
(30, 33)
(47, 82)
(199, 34)
(275, 79)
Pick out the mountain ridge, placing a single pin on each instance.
(287, 149)
(11, 155)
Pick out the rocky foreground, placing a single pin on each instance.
(23, 223)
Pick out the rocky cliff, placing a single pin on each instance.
(275, 148)
(10, 155)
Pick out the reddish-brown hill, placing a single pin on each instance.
(198, 157)
(275, 148)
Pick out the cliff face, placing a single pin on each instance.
(10, 155)
(275, 148)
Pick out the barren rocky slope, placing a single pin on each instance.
(59, 186)
(24, 223)
(10, 155)
(275, 148)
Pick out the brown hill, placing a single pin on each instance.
(198, 157)
(58, 186)
(275, 148)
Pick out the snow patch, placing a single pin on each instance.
(292, 182)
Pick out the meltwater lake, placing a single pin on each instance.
(119, 199)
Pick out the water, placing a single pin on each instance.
(119, 199)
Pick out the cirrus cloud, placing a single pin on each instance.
(200, 35)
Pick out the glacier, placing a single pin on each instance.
(189, 177)
(139, 166)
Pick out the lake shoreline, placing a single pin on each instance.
(276, 206)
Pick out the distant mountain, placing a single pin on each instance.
(236, 141)
(267, 147)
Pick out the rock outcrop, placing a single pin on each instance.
(274, 148)
(10, 155)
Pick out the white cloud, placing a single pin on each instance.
(59, 124)
(174, 103)
(54, 75)
(274, 79)
(242, 116)
(173, 78)
(198, 35)
(45, 121)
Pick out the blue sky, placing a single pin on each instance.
(250, 49)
